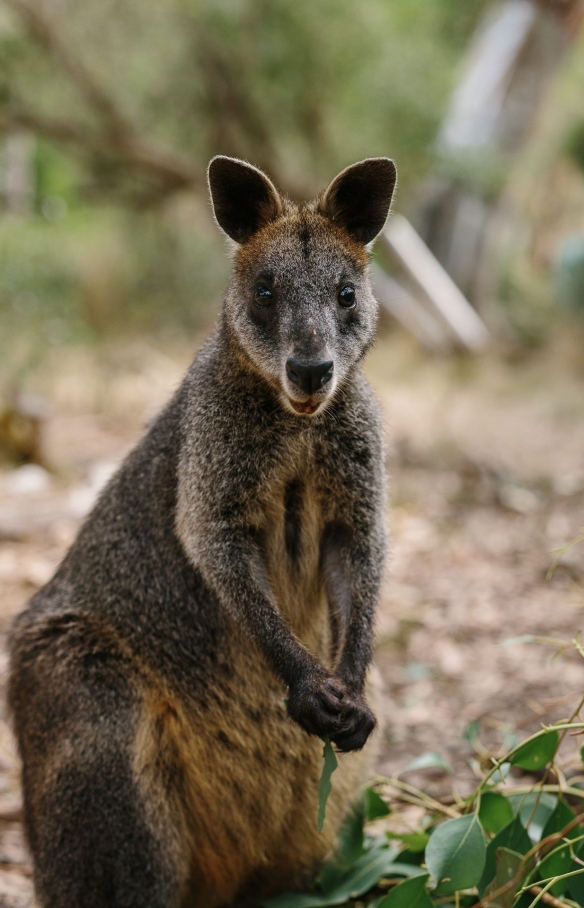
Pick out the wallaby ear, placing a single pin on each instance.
(359, 198)
(244, 199)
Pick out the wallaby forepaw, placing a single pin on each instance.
(316, 704)
(358, 721)
(322, 706)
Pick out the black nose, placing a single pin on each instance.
(309, 376)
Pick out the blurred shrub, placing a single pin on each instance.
(301, 88)
(130, 98)
(525, 308)
(575, 144)
(569, 272)
(104, 271)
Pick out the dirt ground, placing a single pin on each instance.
(487, 477)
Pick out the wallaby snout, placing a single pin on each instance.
(310, 377)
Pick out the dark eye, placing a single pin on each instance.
(347, 297)
(262, 295)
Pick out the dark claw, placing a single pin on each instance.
(321, 706)
(357, 724)
(355, 739)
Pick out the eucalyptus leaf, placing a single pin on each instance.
(414, 841)
(297, 900)
(330, 876)
(375, 806)
(349, 848)
(501, 774)
(411, 893)
(513, 837)
(455, 855)
(576, 883)
(471, 732)
(510, 740)
(495, 811)
(561, 861)
(402, 869)
(350, 839)
(365, 873)
(508, 866)
(537, 753)
(534, 809)
(325, 785)
(429, 760)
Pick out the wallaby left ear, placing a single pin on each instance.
(359, 198)
(244, 199)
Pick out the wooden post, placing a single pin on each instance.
(433, 282)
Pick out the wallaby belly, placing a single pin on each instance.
(244, 779)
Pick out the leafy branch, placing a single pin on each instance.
(502, 846)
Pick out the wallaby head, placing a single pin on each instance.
(300, 305)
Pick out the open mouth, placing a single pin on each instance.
(309, 406)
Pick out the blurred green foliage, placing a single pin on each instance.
(128, 100)
(575, 144)
(569, 272)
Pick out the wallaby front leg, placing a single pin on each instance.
(352, 566)
(233, 568)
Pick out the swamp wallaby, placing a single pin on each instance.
(214, 616)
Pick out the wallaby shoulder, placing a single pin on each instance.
(127, 572)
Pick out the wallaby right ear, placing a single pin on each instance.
(359, 198)
(244, 199)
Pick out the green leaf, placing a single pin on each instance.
(576, 883)
(508, 864)
(534, 809)
(560, 817)
(429, 760)
(325, 785)
(296, 900)
(348, 849)
(350, 839)
(330, 876)
(375, 806)
(365, 873)
(455, 855)
(411, 893)
(409, 870)
(501, 774)
(537, 753)
(510, 740)
(513, 837)
(495, 811)
(471, 732)
(560, 862)
(414, 841)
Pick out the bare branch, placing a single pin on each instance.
(44, 34)
(118, 137)
(173, 173)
